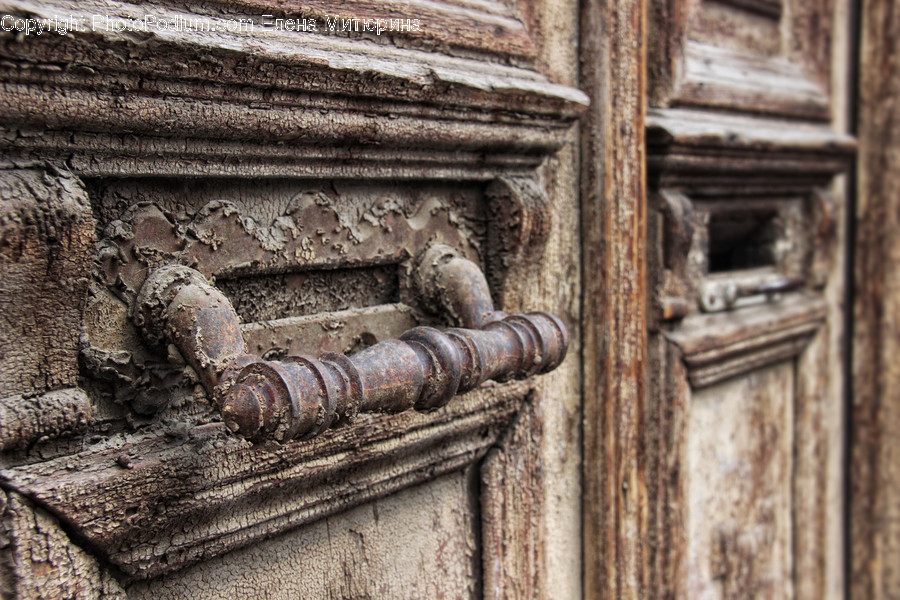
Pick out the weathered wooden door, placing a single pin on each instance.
(660, 175)
(745, 136)
(318, 170)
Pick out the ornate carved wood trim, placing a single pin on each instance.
(716, 347)
(252, 492)
(331, 106)
(707, 153)
(172, 108)
(741, 101)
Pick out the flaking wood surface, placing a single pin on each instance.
(724, 345)
(737, 475)
(741, 98)
(748, 56)
(46, 239)
(490, 27)
(421, 543)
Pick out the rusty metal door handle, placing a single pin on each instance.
(299, 397)
(722, 295)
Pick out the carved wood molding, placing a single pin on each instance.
(488, 27)
(706, 153)
(769, 8)
(717, 347)
(154, 504)
(198, 106)
(262, 104)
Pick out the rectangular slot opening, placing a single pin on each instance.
(277, 296)
(742, 240)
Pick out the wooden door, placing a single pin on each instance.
(293, 161)
(745, 135)
(662, 175)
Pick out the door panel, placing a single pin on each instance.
(738, 468)
(745, 313)
(296, 178)
(420, 543)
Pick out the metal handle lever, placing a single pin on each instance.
(721, 295)
(301, 396)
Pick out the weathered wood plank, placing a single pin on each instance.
(714, 154)
(614, 299)
(511, 504)
(38, 560)
(724, 345)
(737, 470)
(742, 56)
(257, 103)
(875, 412)
(724, 78)
(486, 26)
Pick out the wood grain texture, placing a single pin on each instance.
(668, 411)
(737, 117)
(511, 495)
(732, 79)
(553, 282)
(742, 56)
(813, 442)
(737, 474)
(151, 498)
(715, 154)
(875, 446)
(724, 345)
(488, 27)
(614, 299)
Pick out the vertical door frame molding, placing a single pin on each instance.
(613, 210)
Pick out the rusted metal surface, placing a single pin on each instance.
(300, 396)
(457, 286)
